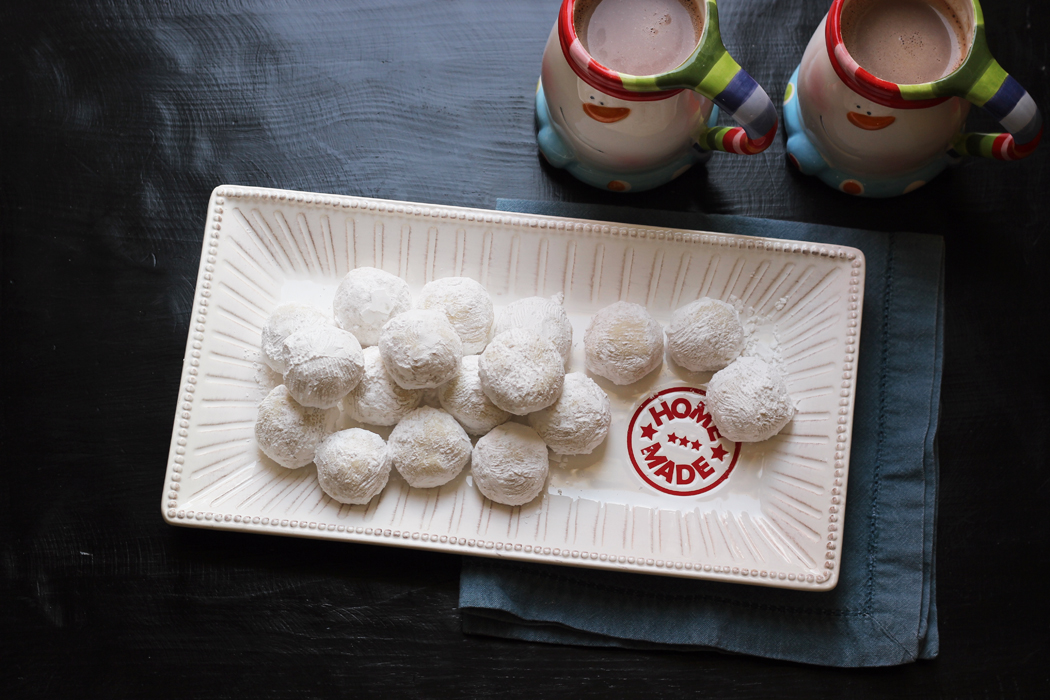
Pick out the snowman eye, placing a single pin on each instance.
(601, 103)
(869, 114)
(592, 98)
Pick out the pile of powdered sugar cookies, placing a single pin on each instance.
(385, 355)
(380, 355)
(747, 396)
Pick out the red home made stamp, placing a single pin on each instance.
(674, 445)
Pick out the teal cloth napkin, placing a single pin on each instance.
(883, 611)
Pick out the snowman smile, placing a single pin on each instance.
(868, 122)
(605, 115)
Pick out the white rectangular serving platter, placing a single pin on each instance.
(775, 520)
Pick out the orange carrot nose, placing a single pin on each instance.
(869, 123)
(605, 115)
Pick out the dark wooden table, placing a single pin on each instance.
(116, 121)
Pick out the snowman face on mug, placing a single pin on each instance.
(864, 119)
(875, 137)
(852, 123)
(605, 113)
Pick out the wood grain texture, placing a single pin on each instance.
(117, 121)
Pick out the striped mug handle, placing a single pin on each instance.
(982, 81)
(1011, 105)
(714, 74)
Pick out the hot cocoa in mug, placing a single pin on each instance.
(904, 41)
(639, 37)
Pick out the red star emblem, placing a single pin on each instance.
(718, 452)
(648, 432)
(683, 441)
(696, 444)
(672, 437)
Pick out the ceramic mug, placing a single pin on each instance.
(870, 137)
(625, 132)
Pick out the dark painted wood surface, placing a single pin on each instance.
(116, 121)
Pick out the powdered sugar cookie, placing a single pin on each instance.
(287, 432)
(546, 317)
(467, 305)
(377, 399)
(623, 343)
(352, 465)
(521, 372)
(464, 399)
(578, 421)
(366, 299)
(285, 320)
(429, 448)
(749, 400)
(510, 465)
(420, 349)
(705, 336)
(322, 363)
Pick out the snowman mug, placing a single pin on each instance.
(625, 132)
(874, 138)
